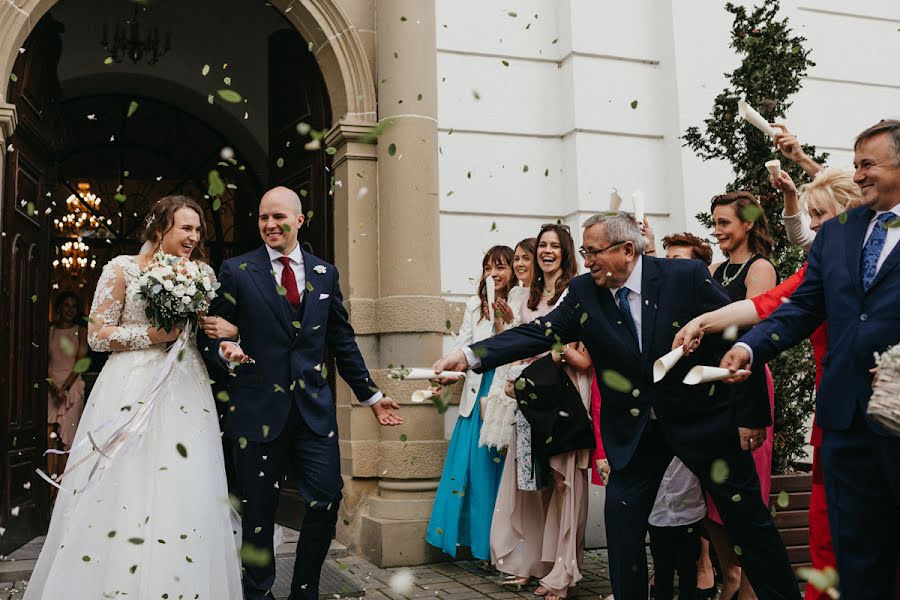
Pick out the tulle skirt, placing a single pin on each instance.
(156, 522)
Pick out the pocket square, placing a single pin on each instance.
(323, 296)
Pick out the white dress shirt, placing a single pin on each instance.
(633, 283)
(679, 500)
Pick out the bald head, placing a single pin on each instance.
(280, 219)
(284, 195)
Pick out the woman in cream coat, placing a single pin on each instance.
(464, 503)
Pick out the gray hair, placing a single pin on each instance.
(619, 227)
(888, 126)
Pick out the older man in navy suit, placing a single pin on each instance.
(288, 308)
(853, 282)
(626, 312)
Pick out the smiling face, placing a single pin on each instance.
(817, 217)
(280, 219)
(729, 230)
(611, 267)
(182, 238)
(500, 272)
(878, 172)
(523, 266)
(549, 253)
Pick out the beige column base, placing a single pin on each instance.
(392, 534)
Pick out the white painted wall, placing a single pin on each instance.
(565, 107)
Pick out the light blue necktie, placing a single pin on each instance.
(625, 309)
(872, 249)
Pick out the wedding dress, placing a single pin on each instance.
(154, 522)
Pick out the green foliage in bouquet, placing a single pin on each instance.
(772, 68)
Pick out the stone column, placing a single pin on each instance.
(409, 314)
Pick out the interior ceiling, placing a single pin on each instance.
(230, 36)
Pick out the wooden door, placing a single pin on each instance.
(297, 95)
(24, 297)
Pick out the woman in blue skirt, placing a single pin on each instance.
(464, 504)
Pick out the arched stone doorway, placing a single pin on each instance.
(385, 240)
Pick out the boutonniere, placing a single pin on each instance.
(319, 268)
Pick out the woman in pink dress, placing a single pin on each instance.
(65, 398)
(540, 517)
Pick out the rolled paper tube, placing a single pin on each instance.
(420, 396)
(749, 114)
(666, 362)
(491, 295)
(615, 200)
(701, 374)
(774, 167)
(638, 199)
(420, 374)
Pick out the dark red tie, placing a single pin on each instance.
(289, 282)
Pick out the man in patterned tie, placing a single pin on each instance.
(626, 311)
(289, 310)
(853, 282)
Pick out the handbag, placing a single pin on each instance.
(552, 405)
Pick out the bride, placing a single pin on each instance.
(155, 521)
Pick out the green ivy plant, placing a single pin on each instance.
(773, 64)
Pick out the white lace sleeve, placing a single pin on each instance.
(105, 333)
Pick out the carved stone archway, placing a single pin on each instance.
(390, 274)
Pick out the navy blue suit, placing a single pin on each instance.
(281, 408)
(696, 423)
(861, 462)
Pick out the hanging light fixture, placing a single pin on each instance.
(126, 41)
(82, 220)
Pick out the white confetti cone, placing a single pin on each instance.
(615, 200)
(701, 374)
(638, 198)
(774, 167)
(749, 114)
(420, 396)
(420, 374)
(664, 363)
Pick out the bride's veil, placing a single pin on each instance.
(147, 248)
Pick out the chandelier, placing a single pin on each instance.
(80, 221)
(127, 42)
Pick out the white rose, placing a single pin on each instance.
(207, 283)
(185, 299)
(178, 292)
(168, 285)
(211, 294)
(192, 289)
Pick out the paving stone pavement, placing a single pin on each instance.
(464, 580)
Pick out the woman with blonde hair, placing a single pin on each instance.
(829, 194)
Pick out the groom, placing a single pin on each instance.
(288, 308)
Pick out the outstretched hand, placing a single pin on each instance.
(455, 361)
(737, 359)
(233, 353)
(689, 336)
(384, 412)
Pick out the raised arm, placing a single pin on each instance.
(105, 333)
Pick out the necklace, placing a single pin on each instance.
(726, 280)
(548, 292)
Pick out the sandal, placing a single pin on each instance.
(516, 581)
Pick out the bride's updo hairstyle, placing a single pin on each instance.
(161, 219)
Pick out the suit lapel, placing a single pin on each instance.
(856, 225)
(312, 292)
(617, 321)
(260, 269)
(650, 285)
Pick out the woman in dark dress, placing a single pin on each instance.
(741, 229)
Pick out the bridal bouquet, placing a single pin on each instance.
(176, 290)
(884, 405)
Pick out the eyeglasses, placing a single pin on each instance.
(562, 226)
(591, 254)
